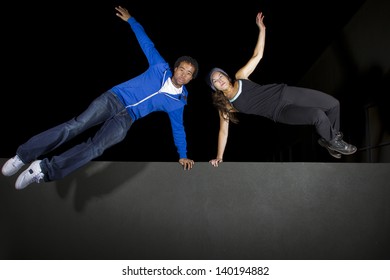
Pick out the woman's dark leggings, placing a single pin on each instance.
(303, 106)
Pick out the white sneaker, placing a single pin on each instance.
(33, 174)
(12, 166)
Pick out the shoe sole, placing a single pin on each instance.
(333, 153)
(14, 171)
(342, 152)
(10, 173)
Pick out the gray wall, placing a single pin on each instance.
(356, 69)
(141, 210)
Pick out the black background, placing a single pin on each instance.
(58, 57)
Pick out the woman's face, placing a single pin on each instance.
(220, 81)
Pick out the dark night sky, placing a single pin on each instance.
(58, 57)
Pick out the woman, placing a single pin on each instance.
(278, 102)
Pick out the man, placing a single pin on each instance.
(156, 89)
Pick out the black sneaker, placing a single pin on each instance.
(339, 145)
(324, 144)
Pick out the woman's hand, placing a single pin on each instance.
(260, 21)
(215, 162)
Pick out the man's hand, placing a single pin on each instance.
(122, 13)
(186, 163)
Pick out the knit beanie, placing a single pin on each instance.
(215, 69)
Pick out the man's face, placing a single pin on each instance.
(183, 74)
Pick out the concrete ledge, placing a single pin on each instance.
(155, 210)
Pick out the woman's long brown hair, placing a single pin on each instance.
(223, 105)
